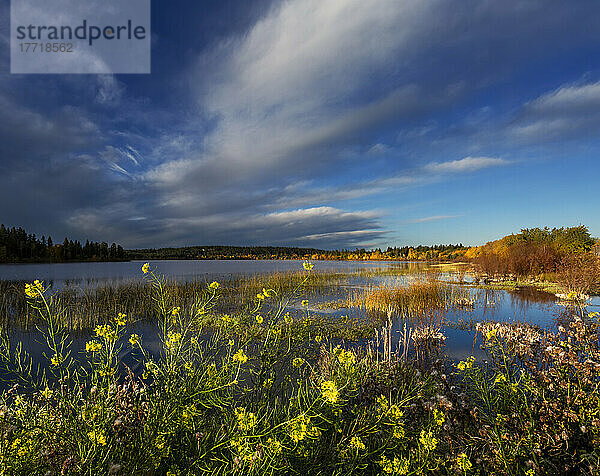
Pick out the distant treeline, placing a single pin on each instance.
(427, 252)
(224, 252)
(533, 250)
(18, 246)
(276, 252)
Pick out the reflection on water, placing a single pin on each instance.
(33, 343)
(92, 274)
(522, 305)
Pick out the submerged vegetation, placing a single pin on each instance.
(262, 390)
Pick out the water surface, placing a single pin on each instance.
(526, 305)
(59, 274)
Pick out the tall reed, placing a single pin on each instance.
(413, 301)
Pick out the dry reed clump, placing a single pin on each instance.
(428, 333)
(421, 343)
(416, 300)
(428, 341)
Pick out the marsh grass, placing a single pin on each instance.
(404, 269)
(84, 308)
(416, 300)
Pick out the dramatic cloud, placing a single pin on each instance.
(304, 123)
(294, 227)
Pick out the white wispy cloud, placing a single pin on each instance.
(569, 111)
(584, 98)
(468, 164)
(432, 218)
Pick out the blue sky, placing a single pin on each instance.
(323, 123)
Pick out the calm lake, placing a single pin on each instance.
(523, 305)
(59, 274)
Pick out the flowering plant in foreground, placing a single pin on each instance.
(257, 393)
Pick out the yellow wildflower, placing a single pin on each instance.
(134, 339)
(396, 413)
(428, 441)
(298, 362)
(299, 428)
(357, 444)
(93, 346)
(214, 286)
(34, 290)
(268, 292)
(346, 357)
(439, 417)
(307, 265)
(259, 319)
(318, 339)
(329, 391)
(246, 420)
(106, 331)
(399, 432)
(173, 338)
(274, 446)
(395, 466)
(463, 365)
(121, 319)
(240, 357)
(146, 268)
(463, 462)
(97, 437)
